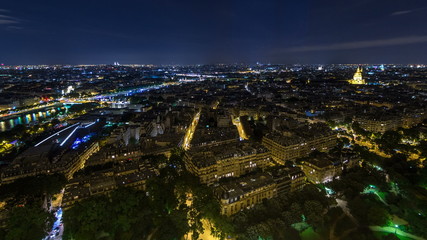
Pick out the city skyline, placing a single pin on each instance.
(210, 152)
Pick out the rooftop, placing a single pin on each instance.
(208, 155)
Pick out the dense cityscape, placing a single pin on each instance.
(221, 151)
(213, 120)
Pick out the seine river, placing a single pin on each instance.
(30, 117)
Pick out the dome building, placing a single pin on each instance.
(357, 77)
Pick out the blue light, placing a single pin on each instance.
(79, 141)
(55, 134)
(76, 143)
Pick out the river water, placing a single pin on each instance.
(9, 122)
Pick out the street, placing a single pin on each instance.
(57, 228)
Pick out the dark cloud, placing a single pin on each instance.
(8, 21)
(402, 12)
(6, 16)
(14, 28)
(361, 44)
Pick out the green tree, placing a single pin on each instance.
(261, 230)
(390, 236)
(313, 211)
(389, 141)
(377, 216)
(88, 219)
(28, 222)
(33, 188)
(359, 130)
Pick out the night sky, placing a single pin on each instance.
(220, 31)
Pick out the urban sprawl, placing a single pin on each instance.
(213, 151)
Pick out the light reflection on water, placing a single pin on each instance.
(27, 118)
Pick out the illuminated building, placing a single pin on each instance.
(127, 174)
(289, 179)
(384, 122)
(68, 165)
(65, 156)
(321, 170)
(380, 124)
(357, 77)
(211, 163)
(244, 193)
(324, 168)
(79, 160)
(300, 142)
(410, 120)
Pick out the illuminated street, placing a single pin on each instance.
(207, 234)
(238, 124)
(190, 131)
(57, 228)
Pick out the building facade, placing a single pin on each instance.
(357, 77)
(245, 192)
(233, 159)
(300, 143)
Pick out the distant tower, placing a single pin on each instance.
(357, 77)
